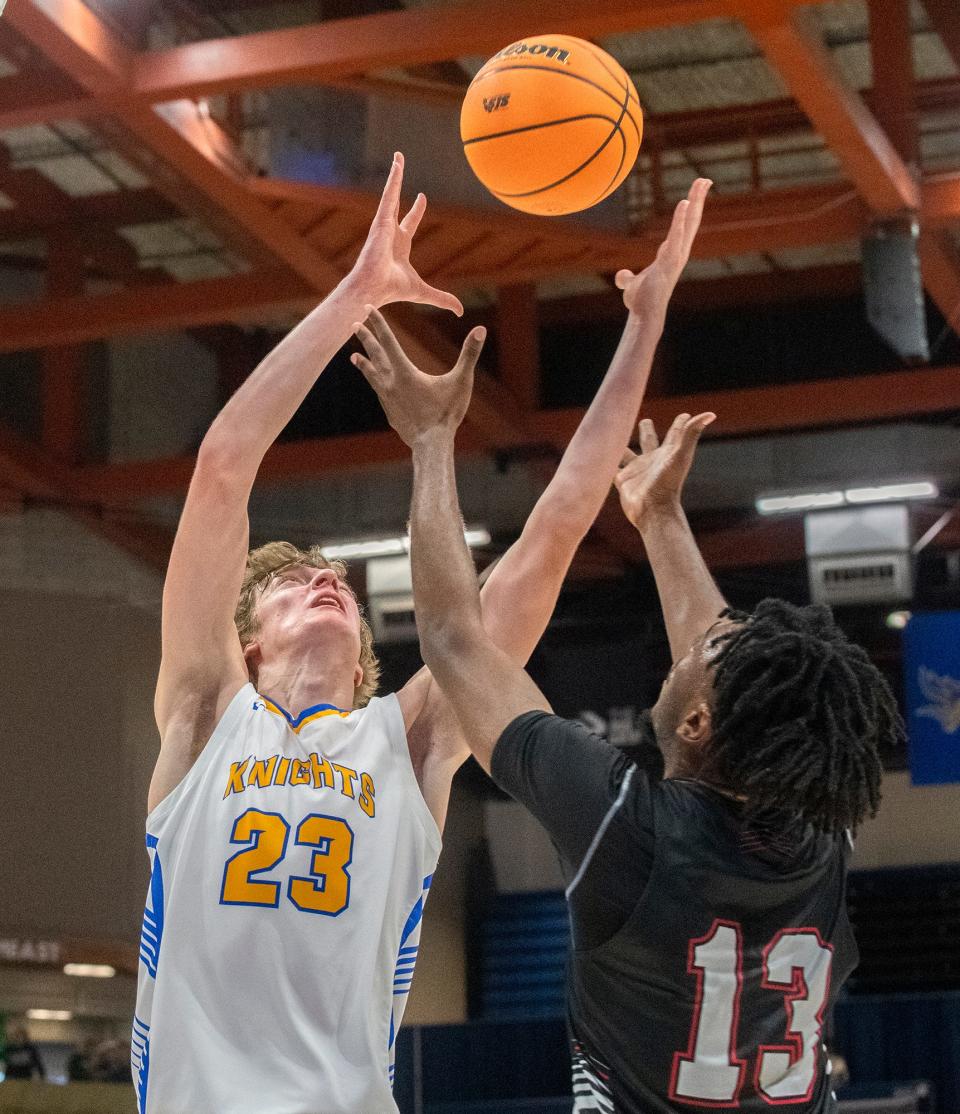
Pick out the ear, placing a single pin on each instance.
(253, 657)
(696, 727)
(357, 677)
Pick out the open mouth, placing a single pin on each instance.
(328, 601)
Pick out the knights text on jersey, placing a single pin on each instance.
(289, 873)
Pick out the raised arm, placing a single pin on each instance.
(202, 665)
(485, 687)
(650, 486)
(523, 589)
(521, 594)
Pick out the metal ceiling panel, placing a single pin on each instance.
(798, 259)
(77, 175)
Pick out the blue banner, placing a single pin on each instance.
(932, 664)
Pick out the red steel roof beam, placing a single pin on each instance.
(891, 55)
(945, 17)
(940, 267)
(794, 48)
(346, 47)
(757, 410)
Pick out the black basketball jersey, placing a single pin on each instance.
(721, 948)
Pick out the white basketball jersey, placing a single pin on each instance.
(289, 873)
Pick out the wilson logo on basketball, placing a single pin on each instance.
(544, 50)
(491, 104)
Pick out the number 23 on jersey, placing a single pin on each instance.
(796, 965)
(266, 835)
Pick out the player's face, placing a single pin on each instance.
(302, 606)
(688, 685)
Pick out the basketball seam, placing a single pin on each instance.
(563, 73)
(545, 124)
(572, 174)
(613, 180)
(623, 140)
(598, 55)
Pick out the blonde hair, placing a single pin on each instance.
(263, 564)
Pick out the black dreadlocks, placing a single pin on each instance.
(800, 714)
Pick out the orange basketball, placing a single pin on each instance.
(551, 124)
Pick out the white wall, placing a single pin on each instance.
(916, 825)
(524, 859)
(73, 751)
(439, 992)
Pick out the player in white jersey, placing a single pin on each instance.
(294, 821)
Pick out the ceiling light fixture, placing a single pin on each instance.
(887, 492)
(778, 504)
(391, 547)
(50, 1015)
(90, 970)
(852, 496)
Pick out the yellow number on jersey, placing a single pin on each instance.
(268, 832)
(327, 891)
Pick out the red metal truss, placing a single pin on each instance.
(732, 225)
(203, 160)
(809, 405)
(793, 46)
(510, 247)
(79, 318)
(301, 239)
(945, 17)
(27, 469)
(338, 48)
(104, 212)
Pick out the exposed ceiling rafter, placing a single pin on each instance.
(339, 48)
(799, 218)
(200, 154)
(747, 412)
(793, 46)
(945, 17)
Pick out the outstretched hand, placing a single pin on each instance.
(383, 269)
(648, 292)
(654, 478)
(415, 403)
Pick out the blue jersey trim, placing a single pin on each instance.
(403, 974)
(297, 721)
(140, 1061)
(151, 932)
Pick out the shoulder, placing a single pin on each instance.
(545, 750)
(196, 728)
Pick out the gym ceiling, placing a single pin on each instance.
(138, 194)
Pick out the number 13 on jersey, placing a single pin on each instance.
(796, 964)
(266, 834)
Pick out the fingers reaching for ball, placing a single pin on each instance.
(415, 402)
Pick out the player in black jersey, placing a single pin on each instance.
(710, 935)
